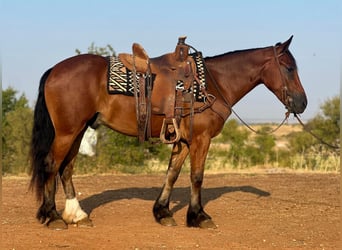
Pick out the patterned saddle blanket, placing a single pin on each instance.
(120, 78)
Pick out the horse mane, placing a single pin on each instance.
(236, 52)
(233, 53)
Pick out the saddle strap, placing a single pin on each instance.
(142, 117)
(143, 103)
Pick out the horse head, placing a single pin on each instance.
(280, 75)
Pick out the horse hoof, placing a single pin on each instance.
(168, 221)
(207, 224)
(58, 224)
(86, 222)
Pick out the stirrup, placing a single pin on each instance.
(171, 130)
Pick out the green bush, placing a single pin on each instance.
(16, 131)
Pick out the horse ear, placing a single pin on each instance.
(282, 47)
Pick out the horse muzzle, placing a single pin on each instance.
(296, 103)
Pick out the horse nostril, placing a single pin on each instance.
(305, 103)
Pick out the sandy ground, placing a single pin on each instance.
(252, 211)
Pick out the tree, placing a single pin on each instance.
(263, 152)
(313, 154)
(10, 101)
(327, 123)
(16, 131)
(102, 51)
(236, 137)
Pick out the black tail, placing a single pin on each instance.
(43, 134)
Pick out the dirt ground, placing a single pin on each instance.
(252, 211)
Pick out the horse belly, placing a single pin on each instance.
(119, 113)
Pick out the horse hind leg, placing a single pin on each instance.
(44, 178)
(47, 210)
(56, 161)
(43, 165)
(72, 213)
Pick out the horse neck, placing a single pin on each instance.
(236, 73)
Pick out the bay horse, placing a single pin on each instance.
(73, 95)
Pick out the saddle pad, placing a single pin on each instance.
(120, 79)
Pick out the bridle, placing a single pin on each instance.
(285, 97)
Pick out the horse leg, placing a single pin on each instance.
(161, 209)
(73, 212)
(48, 208)
(196, 217)
(55, 162)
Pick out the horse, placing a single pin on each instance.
(72, 96)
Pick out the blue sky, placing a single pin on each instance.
(38, 34)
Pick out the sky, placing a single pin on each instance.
(38, 34)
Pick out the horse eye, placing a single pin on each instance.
(289, 69)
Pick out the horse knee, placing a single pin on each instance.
(197, 179)
(66, 173)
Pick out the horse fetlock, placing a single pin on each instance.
(73, 212)
(46, 211)
(161, 212)
(75, 217)
(41, 216)
(199, 218)
(55, 221)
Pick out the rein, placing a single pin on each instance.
(314, 135)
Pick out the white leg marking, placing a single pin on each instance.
(73, 212)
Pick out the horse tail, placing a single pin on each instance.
(43, 134)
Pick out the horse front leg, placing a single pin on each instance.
(161, 210)
(196, 217)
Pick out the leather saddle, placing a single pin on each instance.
(169, 71)
(140, 59)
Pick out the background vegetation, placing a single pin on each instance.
(235, 148)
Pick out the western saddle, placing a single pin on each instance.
(172, 76)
